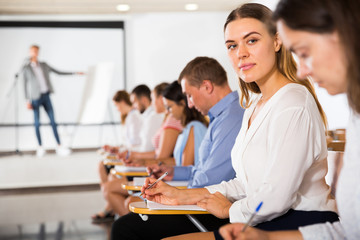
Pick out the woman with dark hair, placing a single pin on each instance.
(325, 36)
(194, 123)
(131, 121)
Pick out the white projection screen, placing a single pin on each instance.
(96, 48)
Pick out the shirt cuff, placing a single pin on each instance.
(214, 188)
(235, 214)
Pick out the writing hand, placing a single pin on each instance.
(160, 192)
(217, 204)
(234, 232)
(157, 171)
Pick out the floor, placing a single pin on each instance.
(50, 197)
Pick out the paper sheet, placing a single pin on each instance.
(157, 206)
(139, 181)
(121, 168)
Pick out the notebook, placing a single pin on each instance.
(121, 168)
(158, 206)
(139, 181)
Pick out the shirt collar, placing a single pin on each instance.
(147, 111)
(34, 64)
(219, 107)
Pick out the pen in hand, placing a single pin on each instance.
(152, 172)
(158, 180)
(252, 216)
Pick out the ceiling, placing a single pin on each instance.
(11, 7)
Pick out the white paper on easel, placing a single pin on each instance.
(158, 206)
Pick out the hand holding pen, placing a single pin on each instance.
(160, 192)
(151, 169)
(238, 230)
(153, 184)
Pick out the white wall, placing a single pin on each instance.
(159, 45)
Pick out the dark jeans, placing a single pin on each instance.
(44, 101)
(293, 219)
(131, 226)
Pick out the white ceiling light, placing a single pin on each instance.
(191, 7)
(123, 7)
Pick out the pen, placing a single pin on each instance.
(252, 216)
(159, 179)
(152, 172)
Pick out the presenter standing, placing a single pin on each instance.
(37, 93)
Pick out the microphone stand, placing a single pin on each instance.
(16, 109)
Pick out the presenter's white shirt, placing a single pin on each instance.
(151, 123)
(40, 77)
(280, 159)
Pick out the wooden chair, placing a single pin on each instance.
(336, 145)
(340, 135)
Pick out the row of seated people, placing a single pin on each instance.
(181, 132)
(278, 157)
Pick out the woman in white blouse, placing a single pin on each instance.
(327, 44)
(280, 153)
(131, 122)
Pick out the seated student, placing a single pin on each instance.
(327, 44)
(165, 138)
(185, 151)
(280, 153)
(141, 99)
(133, 138)
(204, 82)
(131, 121)
(195, 125)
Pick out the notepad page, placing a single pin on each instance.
(158, 206)
(120, 168)
(139, 181)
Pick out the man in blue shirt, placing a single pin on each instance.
(212, 97)
(204, 81)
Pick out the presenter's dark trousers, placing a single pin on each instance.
(131, 226)
(44, 101)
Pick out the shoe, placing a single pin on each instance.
(40, 152)
(63, 151)
(103, 217)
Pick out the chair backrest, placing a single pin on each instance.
(339, 134)
(336, 145)
(335, 163)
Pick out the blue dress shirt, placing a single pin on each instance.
(214, 163)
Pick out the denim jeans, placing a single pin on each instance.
(44, 101)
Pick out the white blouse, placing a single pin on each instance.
(347, 195)
(151, 123)
(133, 123)
(280, 159)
